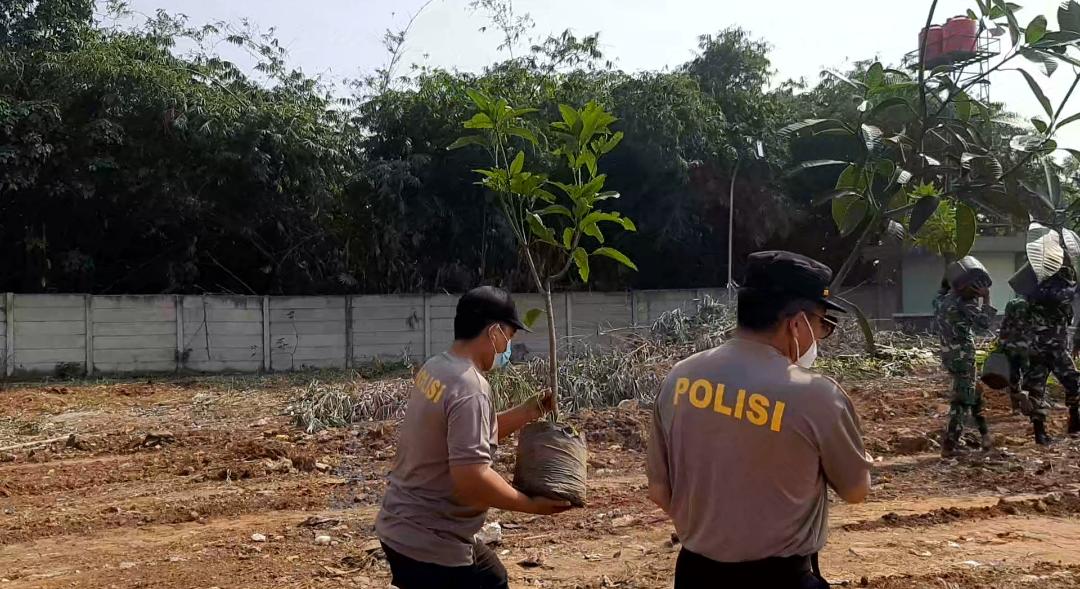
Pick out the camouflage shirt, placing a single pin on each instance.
(1037, 326)
(956, 319)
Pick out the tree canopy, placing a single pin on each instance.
(128, 165)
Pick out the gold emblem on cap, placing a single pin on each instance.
(826, 292)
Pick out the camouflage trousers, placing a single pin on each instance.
(1033, 381)
(966, 397)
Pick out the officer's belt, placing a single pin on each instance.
(772, 567)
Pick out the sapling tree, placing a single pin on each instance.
(556, 219)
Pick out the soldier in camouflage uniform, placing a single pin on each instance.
(957, 314)
(1035, 337)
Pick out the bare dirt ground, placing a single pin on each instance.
(206, 483)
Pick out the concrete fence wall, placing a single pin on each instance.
(84, 334)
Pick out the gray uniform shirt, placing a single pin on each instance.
(450, 421)
(746, 442)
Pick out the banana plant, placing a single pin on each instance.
(558, 224)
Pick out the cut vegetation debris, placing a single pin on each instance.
(631, 368)
(324, 406)
(634, 366)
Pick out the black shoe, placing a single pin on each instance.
(1074, 421)
(950, 449)
(1041, 437)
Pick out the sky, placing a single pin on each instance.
(341, 39)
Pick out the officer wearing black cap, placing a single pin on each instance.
(442, 483)
(746, 439)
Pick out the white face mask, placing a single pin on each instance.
(810, 355)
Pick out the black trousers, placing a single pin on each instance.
(486, 572)
(693, 571)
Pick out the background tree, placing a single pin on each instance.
(919, 140)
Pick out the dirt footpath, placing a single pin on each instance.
(205, 483)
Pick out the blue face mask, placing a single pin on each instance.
(501, 360)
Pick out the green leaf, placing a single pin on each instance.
(581, 260)
(1036, 29)
(467, 140)
(1069, 16)
(480, 99)
(924, 209)
(963, 106)
(1057, 39)
(891, 102)
(1037, 90)
(518, 164)
(479, 121)
(853, 178)
(1040, 125)
(605, 217)
(815, 164)
(589, 161)
(592, 230)
(853, 217)
(1044, 251)
(1072, 247)
(840, 206)
(1053, 184)
(544, 195)
(875, 76)
(569, 115)
(611, 143)
(1067, 120)
(966, 226)
(590, 190)
(555, 210)
(608, 194)
(1009, 12)
(832, 195)
(1047, 59)
(885, 169)
(531, 316)
(568, 238)
(539, 230)
(524, 133)
(616, 255)
(811, 127)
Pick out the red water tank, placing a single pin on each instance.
(960, 37)
(935, 37)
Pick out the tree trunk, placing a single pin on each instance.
(842, 274)
(553, 358)
(544, 288)
(855, 255)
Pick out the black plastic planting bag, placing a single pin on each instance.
(552, 462)
(995, 373)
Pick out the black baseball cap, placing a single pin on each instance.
(490, 304)
(790, 275)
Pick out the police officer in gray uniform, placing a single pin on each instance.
(746, 439)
